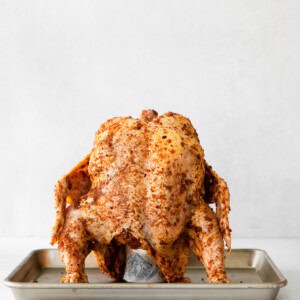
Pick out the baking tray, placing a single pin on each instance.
(253, 275)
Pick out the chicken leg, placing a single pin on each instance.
(207, 243)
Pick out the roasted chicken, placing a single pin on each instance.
(145, 184)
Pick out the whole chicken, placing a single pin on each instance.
(145, 184)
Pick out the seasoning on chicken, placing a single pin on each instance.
(145, 184)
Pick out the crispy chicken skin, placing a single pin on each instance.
(145, 184)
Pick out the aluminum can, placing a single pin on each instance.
(140, 267)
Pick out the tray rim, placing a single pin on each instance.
(29, 285)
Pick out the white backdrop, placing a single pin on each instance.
(232, 67)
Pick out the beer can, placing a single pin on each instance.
(140, 267)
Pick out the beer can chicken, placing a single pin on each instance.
(145, 184)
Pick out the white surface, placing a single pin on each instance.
(232, 66)
(284, 252)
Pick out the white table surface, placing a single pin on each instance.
(284, 252)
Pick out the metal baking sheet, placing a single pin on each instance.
(253, 275)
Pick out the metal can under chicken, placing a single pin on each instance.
(140, 267)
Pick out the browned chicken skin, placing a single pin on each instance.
(145, 184)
